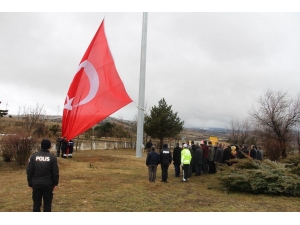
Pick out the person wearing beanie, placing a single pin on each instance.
(42, 176)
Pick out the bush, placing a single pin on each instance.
(7, 155)
(18, 147)
(8, 148)
(268, 177)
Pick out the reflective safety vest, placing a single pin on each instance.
(186, 156)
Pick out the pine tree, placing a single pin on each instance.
(162, 122)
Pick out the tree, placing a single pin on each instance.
(162, 123)
(25, 132)
(239, 132)
(275, 117)
(104, 129)
(54, 129)
(31, 118)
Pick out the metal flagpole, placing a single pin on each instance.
(141, 110)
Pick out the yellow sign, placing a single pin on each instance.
(213, 140)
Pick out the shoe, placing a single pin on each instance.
(184, 180)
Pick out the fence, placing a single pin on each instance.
(83, 144)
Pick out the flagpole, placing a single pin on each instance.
(141, 109)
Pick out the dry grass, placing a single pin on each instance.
(117, 181)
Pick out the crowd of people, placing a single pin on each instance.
(195, 158)
(64, 148)
(204, 158)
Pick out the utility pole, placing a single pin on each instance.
(141, 104)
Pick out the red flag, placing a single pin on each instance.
(96, 90)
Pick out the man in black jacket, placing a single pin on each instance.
(165, 161)
(198, 160)
(227, 155)
(64, 147)
(177, 159)
(42, 176)
(148, 146)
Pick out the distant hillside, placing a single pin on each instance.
(187, 134)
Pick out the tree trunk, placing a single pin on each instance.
(283, 149)
(160, 143)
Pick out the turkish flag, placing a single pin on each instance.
(96, 90)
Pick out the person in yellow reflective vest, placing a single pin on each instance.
(186, 158)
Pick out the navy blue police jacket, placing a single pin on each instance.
(42, 170)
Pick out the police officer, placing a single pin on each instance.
(165, 161)
(42, 176)
(186, 158)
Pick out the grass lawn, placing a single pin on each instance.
(117, 181)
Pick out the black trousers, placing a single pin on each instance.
(186, 168)
(211, 167)
(71, 150)
(57, 151)
(198, 169)
(177, 170)
(164, 172)
(63, 152)
(39, 194)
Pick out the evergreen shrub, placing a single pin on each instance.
(267, 177)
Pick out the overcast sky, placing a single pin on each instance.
(211, 67)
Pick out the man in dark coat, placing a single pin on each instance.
(259, 155)
(253, 152)
(210, 159)
(192, 165)
(42, 176)
(165, 161)
(227, 155)
(148, 146)
(205, 156)
(152, 161)
(219, 156)
(177, 159)
(243, 152)
(198, 160)
(64, 146)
